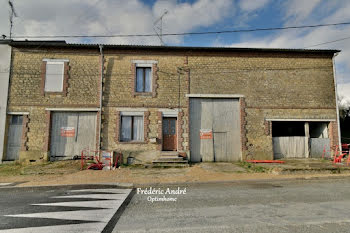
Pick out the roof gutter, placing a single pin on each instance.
(336, 99)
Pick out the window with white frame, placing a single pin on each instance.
(54, 76)
(131, 128)
(143, 78)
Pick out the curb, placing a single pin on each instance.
(65, 186)
(242, 181)
(310, 176)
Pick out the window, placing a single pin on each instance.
(54, 76)
(131, 128)
(143, 79)
(16, 120)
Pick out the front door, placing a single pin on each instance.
(14, 137)
(169, 134)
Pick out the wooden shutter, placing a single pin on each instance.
(65, 78)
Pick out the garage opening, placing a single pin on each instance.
(319, 140)
(288, 139)
(71, 132)
(300, 139)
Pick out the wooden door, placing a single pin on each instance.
(71, 132)
(221, 117)
(169, 134)
(14, 137)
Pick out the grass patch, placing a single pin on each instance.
(46, 168)
(253, 168)
(12, 169)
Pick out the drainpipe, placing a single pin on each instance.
(336, 99)
(101, 94)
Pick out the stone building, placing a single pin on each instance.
(209, 104)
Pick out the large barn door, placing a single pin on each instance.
(215, 130)
(71, 132)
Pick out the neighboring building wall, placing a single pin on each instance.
(25, 94)
(5, 61)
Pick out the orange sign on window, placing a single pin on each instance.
(206, 134)
(67, 131)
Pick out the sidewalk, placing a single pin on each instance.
(68, 173)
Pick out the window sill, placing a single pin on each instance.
(133, 142)
(54, 93)
(143, 93)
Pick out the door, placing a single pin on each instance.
(215, 131)
(14, 137)
(71, 132)
(289, 147)
(220, 147)
(169, 134)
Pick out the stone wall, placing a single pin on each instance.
(274, 85)
(26, 81)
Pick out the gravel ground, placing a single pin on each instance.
(65, 173)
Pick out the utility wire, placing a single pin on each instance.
(328, 42)
(187, 33)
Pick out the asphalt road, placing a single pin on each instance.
(278, 206)
(79, 208)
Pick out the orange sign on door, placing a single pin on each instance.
(67, 131)
(206, 134)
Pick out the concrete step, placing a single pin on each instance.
(183, 165)
(169, 153)
(170, 158)
(166, 155)
(169, 161)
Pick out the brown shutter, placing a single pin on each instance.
(43, 75)
(65, 78)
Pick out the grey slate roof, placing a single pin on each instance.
(63, 44)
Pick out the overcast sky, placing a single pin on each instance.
(106, 17)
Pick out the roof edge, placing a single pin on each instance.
(62, 43)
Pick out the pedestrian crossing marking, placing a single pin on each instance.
(111, 201)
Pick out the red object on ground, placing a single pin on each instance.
(96, 166)
(265, 161)
(337, 159)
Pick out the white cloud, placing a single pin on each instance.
(343, 93)
(186, 17)
(251, 5)
(91, 17)
(299, 10)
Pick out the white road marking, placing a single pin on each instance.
(126, 191)
(82, 215)
(96, 196)
(101, 216)
(72, 228)
(5, 184)
(109, 204)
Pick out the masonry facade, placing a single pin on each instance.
(139, 100)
